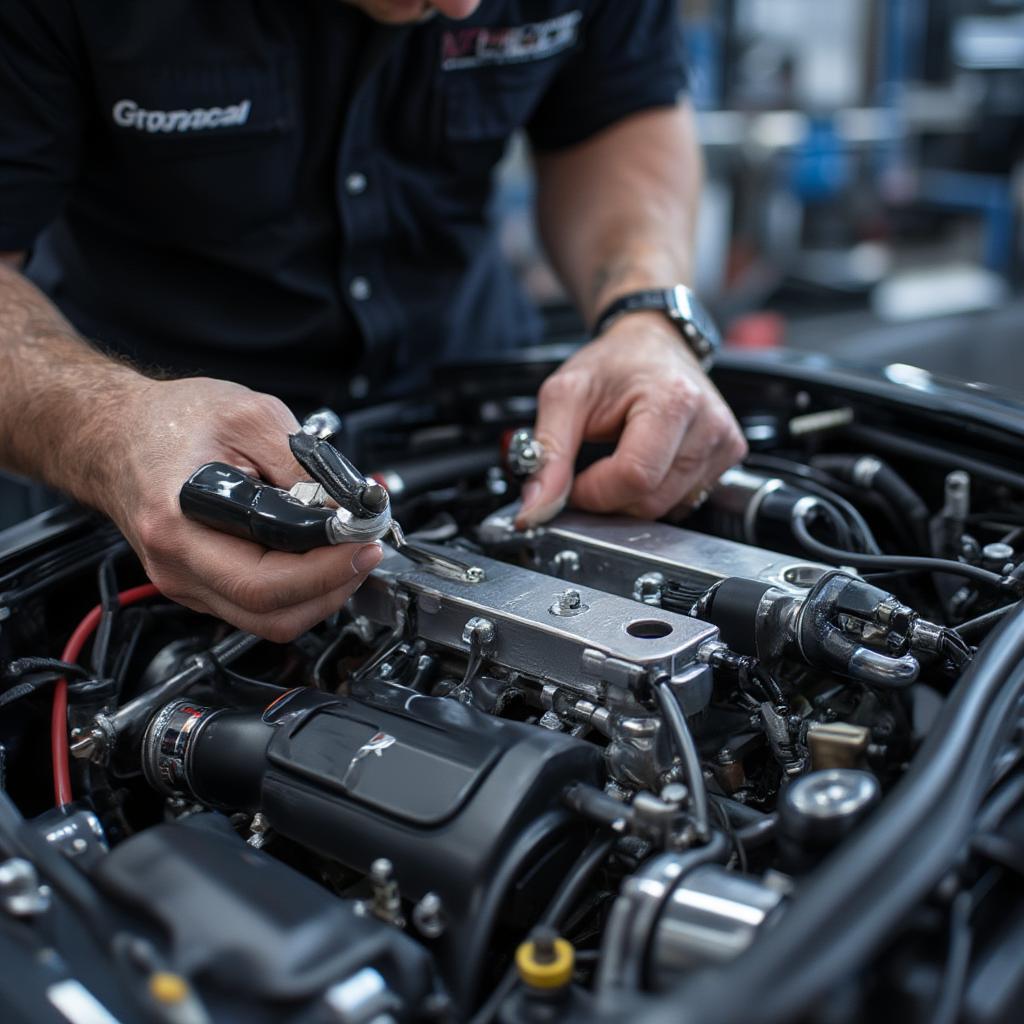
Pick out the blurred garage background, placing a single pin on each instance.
(865, 183)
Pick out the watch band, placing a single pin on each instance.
(681, 306)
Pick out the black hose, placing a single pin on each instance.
(768, 683)
(110, 603)
(885, 481)
(1000, 850)
(757, 833)
(571, 889)
(1013, 538)
(29, 675)
(844, 535)
(953, 647)
(28, 685)
(867, 537)
(820, 485)
(884, 562)
(329, 653)
(128, 647)
(1002, 801)
(958, 959)
(432, 470)
(687, 749)
(974, 630)
(851, 908)
(31, 665)
(730, 831)
(884, 440)
(244, 687)
(740, 815)
(592, 857)
(597, 806)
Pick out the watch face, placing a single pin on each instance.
(690, 310)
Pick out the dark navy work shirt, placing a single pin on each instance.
(285, 193)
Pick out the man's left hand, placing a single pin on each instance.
(640, 383)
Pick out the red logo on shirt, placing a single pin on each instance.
(475, 47)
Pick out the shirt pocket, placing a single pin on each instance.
(199, 150)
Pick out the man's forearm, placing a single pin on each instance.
(61, 402)
(618, 212)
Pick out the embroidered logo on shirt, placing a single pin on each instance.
(128, 114)
(476, 47)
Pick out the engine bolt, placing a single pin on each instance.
(569, 602)
(566, 563)
(259, 828)
(995, 556)
(428, 916)
(478, 633)
(382, 871)
(675, 793)
(525, 453)
(387, 903)
(21, 895)
(647, 588)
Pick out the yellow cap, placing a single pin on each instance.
(168, 988)
(547, 974)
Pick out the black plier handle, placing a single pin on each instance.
(226, 499)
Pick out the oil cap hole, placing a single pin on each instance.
(649, 629)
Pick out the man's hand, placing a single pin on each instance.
(617, 213)
(640, 383)
(94, 428)
(170, 429)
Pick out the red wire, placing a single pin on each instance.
(59, 716)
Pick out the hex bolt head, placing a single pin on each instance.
(478, 632)
(648, 587)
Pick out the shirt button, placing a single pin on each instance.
(355, 184)
(359, 288)
(359, 386)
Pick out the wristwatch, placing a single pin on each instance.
(683, 309)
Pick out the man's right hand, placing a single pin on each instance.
(170, 429)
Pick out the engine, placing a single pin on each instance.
(585, 770)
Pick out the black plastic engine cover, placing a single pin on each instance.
(247, 928)
(463, 804)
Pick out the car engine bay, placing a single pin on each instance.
(760, 764)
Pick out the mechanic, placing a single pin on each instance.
(291, 197)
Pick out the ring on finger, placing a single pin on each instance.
(695, 498)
